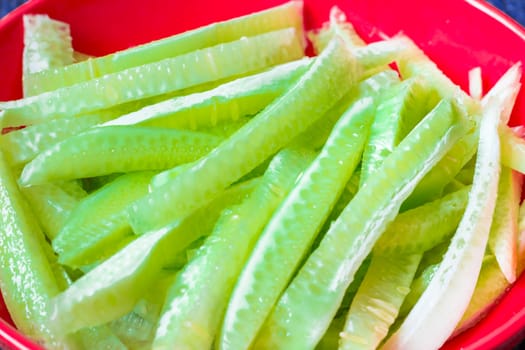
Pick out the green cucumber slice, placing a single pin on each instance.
(275, 18)
(28, 282)
(196, 302)
(99, 221)
(453, 283)
(421, 228)
(304, 311)
(504, 229)
(227, 102)
(113, 288)
(106, 150)
(326, 81)
(21, 146)
(169, 75)
(293, 228)
(401, 108)
(47, 45)
(379, 297)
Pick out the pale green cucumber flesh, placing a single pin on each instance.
(327, 80)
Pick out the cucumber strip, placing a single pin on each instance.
(504, 229)
(326, 81)
(113, 288)
(421, 228)
(279, 17)
(52, 206)
(172, 74)
(305, 309)
(106, 150)
(401, 108)
(294, 226)
(47, 45)
(26, 277)
(317, 134)
(376, 304)
(99, 220)
(454, 281)
(21, 146)
(512, 149)
(196, 302)
(240, 97)
(491, 286)
(417, 288)
(475, 83)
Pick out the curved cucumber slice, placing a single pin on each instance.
(51, 205)
(453, 283)
(21, 146)
(47, 45)
(421, 228)
(172, 74)
(504, 229)
(99, 221)
(279, 17)
(305, 309)
(28, 281)
(115, 149)
(113, 288)
(401, 108)
(327, 80)
(293, 228)
(227, 102)
(196, 302)
(378, 299)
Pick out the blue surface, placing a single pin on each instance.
(515, 8)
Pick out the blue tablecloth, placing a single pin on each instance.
(515, 8)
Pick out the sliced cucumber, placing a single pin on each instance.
(196, 302)
(279, 17)
(227, 102)
(99, 221)
(379, 297)
(421, 228)
(304, 311)
(47, 45)
(170, 75)
(293, 228)
(113, 288)
(116, 149)
(504, 229)
(327, 80)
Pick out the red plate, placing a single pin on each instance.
(457, 34)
